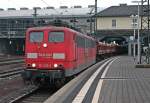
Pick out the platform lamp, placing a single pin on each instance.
(138, 39)
(95, 25)
(91, 13)
(134, 26)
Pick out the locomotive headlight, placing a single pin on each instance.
(33, 65)
(55, 65)
(44, 45)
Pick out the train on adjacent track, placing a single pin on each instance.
(56, 53)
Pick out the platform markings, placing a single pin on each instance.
(80, 96)
(99, 86)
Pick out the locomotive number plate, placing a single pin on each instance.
(45, 55)
(45, 65)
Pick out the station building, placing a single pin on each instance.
(116, 22)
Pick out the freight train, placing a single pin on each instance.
(105, 50)
(56, 53)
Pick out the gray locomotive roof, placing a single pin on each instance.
(47, 12)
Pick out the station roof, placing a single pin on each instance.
(118, 11)
(48, 12)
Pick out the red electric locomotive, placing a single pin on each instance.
(54, 53)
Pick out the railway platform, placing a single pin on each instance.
(115, 80)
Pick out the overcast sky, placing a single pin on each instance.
(56, 3)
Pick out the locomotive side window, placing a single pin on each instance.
(90, 43)
(80, 41)
(36, 36)
(56, 36)
(85, 42)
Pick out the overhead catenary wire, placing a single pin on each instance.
(45, 2)
(48, 5)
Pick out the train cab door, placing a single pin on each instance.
(86, 52)
(76, 50)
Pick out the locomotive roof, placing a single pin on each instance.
(46, 27)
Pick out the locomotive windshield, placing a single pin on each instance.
(56, 36)
(36, 36)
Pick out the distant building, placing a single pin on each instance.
(13, 23)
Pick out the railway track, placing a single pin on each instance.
(10, 68)
(11, 62)
(19, 94)
(9, 59)
(11, 72)
(37, 96)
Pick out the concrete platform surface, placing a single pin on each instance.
(124, 83)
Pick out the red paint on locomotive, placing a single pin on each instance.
(61, 51)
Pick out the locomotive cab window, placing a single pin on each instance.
(36, 36)
(56, 36)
